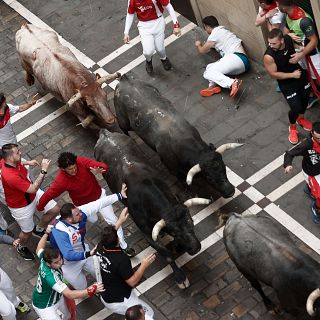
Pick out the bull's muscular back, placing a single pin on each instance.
(54, 65)
(262, 249)
(141, 108)
(148, 195)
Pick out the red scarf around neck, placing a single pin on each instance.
(271, 7)
(297, 13)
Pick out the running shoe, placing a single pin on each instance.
(305, 124)
(235, 87)
(293, 134)
(208, 92)
(37, 233)
(312, 101)
(23, 307)
(166, 64)
(130, 252)
(25, 253)
(149, 66)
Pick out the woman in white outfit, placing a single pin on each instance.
(151, 28)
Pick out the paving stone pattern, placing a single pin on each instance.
(217, 290)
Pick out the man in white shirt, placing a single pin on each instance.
(270, 14)
(234, 60)
(7, 134)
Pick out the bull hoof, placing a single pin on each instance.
(184, 285)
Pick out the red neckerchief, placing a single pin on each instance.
(297, 13)
(315, 145)
(271, 7)
(5, 118)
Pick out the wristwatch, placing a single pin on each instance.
(43, 171)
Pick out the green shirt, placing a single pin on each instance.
(296, 27)
(49, 285)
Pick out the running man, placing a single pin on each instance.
(151, 28)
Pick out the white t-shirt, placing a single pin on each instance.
(279, 17)
(225, 41)
(7, 134)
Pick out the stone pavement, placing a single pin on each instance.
(259, 120)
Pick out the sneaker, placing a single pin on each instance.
(235, 87)
(25, 253)
(305, 124)
(315, 215)
(37, 233)
(208, 92)
(307, 191)
(312, 101)
(130, 252)
(166, 64)
(293, 134)
(23, 307)
(149, 66)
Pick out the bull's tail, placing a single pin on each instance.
(223, 217)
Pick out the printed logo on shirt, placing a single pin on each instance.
(75, 236)
(104, 263)
(314, 157)
(309, 29)
(144, 8)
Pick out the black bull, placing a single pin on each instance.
(140, 107)
(263, 251)
(150, 201)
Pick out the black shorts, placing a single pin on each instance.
(298, 98)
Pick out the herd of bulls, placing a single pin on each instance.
(261, 249)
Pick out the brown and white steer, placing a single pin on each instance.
(60, 73)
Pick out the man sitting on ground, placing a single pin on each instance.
(234, 60)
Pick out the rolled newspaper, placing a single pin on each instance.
(97, 268)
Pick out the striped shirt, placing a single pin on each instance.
(49, 285)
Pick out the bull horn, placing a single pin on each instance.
(73, 99)
(228, 146)
(196, 201)
(313, 296)
(109, 77)
(86, 121)
(157, 228)
(192, 172)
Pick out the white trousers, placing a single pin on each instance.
(73, 272)
(109, 216)
(51, 313)
(216, 72)
(8, 297)
(3, 223)
(121, 307)
(152, 37)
